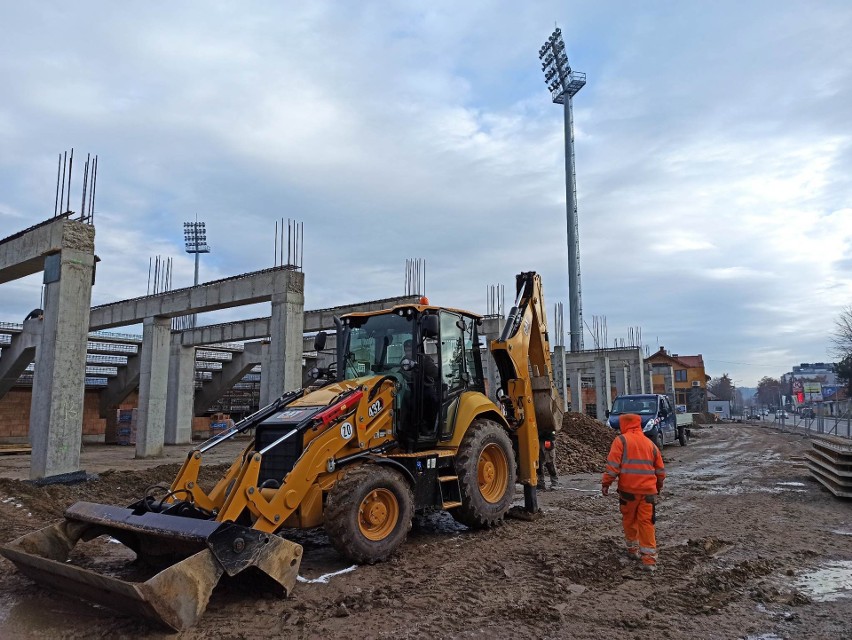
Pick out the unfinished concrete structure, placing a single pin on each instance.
(163, 364)
(64, 250)
(281, 286)
(621, 367)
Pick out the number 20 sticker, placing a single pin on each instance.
(346, 430)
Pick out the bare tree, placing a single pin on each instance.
(841, 337)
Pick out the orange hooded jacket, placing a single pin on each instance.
(634, 460)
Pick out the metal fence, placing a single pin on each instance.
(837, 424)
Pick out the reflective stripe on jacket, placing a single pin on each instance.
(634, 460)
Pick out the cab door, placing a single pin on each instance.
(668, 420)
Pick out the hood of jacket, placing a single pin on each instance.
(629, 422)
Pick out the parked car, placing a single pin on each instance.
(781, 415)
(754, 414)
(659, 420)
(807, 413)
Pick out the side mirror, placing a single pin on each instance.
(319, 341)
(431, 326)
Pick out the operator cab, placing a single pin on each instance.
(433, 355)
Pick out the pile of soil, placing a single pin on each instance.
(25, 506)
(582, 445)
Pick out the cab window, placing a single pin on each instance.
(453, 374)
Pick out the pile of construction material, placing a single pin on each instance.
(830, 462)
(582, 445)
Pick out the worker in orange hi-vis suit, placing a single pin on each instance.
(637, 464)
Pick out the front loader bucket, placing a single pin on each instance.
(177, 595)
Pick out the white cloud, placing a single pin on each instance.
(713, 154)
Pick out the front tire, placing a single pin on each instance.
(485, 464)
(368, 513)
(658, 440)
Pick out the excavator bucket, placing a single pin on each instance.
(200, 552)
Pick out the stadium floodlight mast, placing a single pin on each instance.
(563, 84)
(195, 239)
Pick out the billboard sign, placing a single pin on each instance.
(813, 391)
(829, 391)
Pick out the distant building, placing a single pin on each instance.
(812, 382)
(681, 376)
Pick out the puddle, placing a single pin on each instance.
(832, 582)
(789, 484)
(843, 532)
(42, 615)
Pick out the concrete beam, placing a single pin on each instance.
(22, 254)
(257, 328)
(19, 354)
(249, 288)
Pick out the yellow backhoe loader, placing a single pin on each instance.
(399, 424)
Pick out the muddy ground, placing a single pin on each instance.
(748, 543)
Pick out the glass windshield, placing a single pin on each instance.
(377, 343)
(642, 405)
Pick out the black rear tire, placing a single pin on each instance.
(683, 436)
(485, 464)
(361, 487)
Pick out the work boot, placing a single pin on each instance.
(540, 486)
(554, 484)
(650, 568)
(633, 553)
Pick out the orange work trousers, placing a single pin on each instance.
(637, 518)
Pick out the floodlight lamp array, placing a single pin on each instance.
(195, 237)
(555, 63)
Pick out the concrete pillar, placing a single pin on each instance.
(560, 379)
(181, 395)
(575, 377)
(56, 411)
(602, 386)
(637, 376)
(287, 324)
(264, 374)
(621, 380)
(153, 385)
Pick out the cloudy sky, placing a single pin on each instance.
(713, 146)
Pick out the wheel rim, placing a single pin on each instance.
(492, 472)
(378, 514)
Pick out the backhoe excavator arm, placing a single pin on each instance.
(527, 392)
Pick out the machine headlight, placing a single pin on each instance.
(653, 422)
